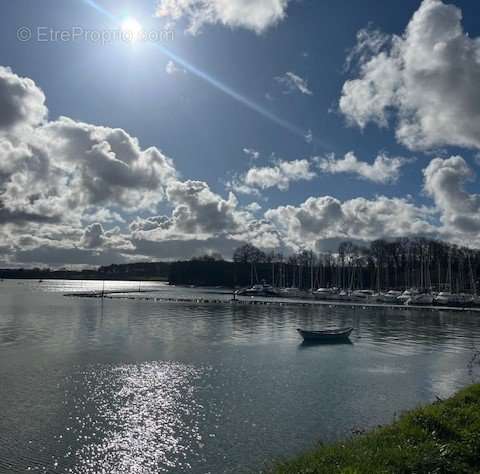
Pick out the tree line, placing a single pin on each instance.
(384, 264)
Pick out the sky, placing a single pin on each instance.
(164, 129)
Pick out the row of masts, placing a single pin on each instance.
(326, 271)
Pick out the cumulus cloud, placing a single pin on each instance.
(444, 181)
(382, 170)
(29, 185)
(197, 212)
(107, 165)
(95, 237)
(22, 103)
(280, 175)
(58, 176)
(291, 82)
(68, 191)
(65, 171)
(255, 15)
(327, 217)
(253, 207)
(426, 81)
(237, 185)
(199, 215)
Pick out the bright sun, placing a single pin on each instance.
(132, 27)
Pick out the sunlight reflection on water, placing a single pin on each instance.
(132, 418)
(127, 385)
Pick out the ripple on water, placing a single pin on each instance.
(130, 418)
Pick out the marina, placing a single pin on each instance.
(227, 299)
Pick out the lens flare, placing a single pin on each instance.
(130, 24)
(132, 28)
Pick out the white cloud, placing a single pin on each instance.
(253, 207)
(309, 136)
(57, 176)
(197, 213)
(68, 191)
(95, 237)
(369, 42)
(237, 185)
(65, 170)
(172, 68)
(251, 153)
(106, 165)
(257, 15)
(280, 175)
(382, 170)
(22, 103)
(445, 181)
(202, 217)
(428, 79)
(325, 217)
(291, 82)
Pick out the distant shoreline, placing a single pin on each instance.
(158, 271)
(82, 277)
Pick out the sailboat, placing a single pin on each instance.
(263, 289)
(407, 294)
(446, 298)
(326, 294)
(390, 296)
(422, 298)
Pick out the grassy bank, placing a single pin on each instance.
(443, 437)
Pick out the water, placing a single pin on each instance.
(134, 386)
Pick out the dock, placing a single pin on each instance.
(241, 301)
(104, 293)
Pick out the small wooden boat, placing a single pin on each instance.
(327, 335)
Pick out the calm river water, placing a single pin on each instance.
(132, 386)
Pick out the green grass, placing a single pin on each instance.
(443, 437)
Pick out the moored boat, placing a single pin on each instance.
(445, 298)
(407, 294)
(475, 300)
(291, 292)
(258, 290)
(390, 296)
(366, 296)
(325, 294)
(420, 299)
(326, 335)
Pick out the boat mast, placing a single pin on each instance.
(311, 271)
(472, 277)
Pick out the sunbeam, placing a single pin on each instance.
(249, 103)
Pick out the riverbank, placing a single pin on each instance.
(441, 437)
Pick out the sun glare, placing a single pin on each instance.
(132, 28)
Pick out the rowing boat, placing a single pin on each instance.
(327, 335)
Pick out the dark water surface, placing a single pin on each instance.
(132, 386)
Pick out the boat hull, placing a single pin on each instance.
(326, 336)
(424, 299)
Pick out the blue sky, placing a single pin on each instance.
(288, 58)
